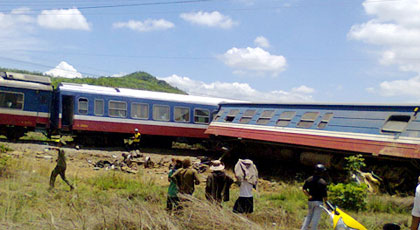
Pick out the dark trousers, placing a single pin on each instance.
(172, 203)
(59, 171)
(244, 205)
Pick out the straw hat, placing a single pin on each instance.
(217, 165)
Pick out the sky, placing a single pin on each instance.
(333, 51)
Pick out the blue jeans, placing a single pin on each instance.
(314, 214)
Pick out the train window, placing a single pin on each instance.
(117, 109)
(285, 118)
(265, 117)
(246, 118)
(139, 110)
(231, 115)
(218, 115)
(201, 116)
(307, 120)
(396, 123)
(11, 100)
(181, 114)
(324, 120)
(161, 112)
(83, 105)
(98, 107)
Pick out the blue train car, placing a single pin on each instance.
(103, 114)
(25, 103)
(377, 130)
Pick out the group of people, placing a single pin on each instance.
(183, 178)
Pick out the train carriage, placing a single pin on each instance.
(380, 130)
(113, 113)
(25, 102)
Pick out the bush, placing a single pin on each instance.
(4, 165)
(4, 148)
(348, 196)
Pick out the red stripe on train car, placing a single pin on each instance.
(339, 143)
(99, 126)
(22, 120)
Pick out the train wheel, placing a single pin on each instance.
(13, 134)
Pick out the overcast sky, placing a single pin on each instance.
(258, 50)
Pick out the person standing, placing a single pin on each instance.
(136, 139)
(173, 200)
(218, 183)
(247, 175)
(416, 208)
(186, 178)
(60, 168)
(315, 188)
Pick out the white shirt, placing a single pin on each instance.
(245, 190)
(416, 207)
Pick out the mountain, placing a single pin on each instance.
(136, 80)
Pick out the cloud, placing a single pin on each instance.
(212, 19)
(63, 19)
(18, 29)
(254, 60)
(395, 31)
(262, 42)
(122, 74)
(239, 91)
(64, 70)
(145, 26)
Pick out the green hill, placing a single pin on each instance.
(136, 80)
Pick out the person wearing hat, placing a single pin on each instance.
(60, 168)
(315, 188)
(218, 183)
(246, 174)
(173, 199)
(136, 139)
(415, 213)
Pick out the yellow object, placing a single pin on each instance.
(137, 137)
(342, 221)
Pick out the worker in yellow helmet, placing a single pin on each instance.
(136, 140)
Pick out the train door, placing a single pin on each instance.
(67, 112)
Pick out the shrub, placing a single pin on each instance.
(4, 165)
(348, 196)
(4, 148)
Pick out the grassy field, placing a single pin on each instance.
(115, 200)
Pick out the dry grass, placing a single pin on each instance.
(114, 200)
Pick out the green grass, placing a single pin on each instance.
(115, 200)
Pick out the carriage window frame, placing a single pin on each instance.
(326, 118)
(132, 113)
(95, 111)
(82, 110)
(284, 120)
(248, 115)
(231, 115)
(307, 122)
(265, 118)
(116, 109)
(218, 115)
(18, 102)
(392, 120)
(155, 116)
(197, 117)
(182, 120)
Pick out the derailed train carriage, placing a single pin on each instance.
(97, 115)
(388, 136)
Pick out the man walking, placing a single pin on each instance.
(173, 200)
(60, 168)
(218, 183)
(315, 188)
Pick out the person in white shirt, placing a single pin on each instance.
(416, 208)
(247, 175)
